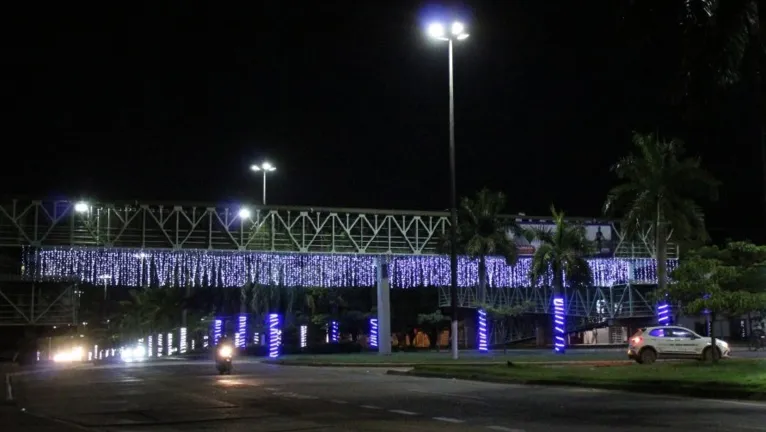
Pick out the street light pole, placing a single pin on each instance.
(266, 168)
(457, 32)
(264, 187)
(453, 210)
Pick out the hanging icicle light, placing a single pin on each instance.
(234, 269)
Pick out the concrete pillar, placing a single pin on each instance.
(384, 308)
(185, 311)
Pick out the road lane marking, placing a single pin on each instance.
(403, 412)
(504, 429)
(270, 388)
(451, 395)
(449, 420)
(339, 402)
(372, 407)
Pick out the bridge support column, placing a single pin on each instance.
(384, 308)
(185, 310)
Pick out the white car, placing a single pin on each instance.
(672, 342)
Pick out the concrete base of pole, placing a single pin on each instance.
(454, 341)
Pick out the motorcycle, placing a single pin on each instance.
(223, 359)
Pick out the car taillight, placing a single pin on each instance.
(636, 340)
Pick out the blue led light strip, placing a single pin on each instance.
(482, 332)
(559, 325)
(334, 333)
(240, 339)
(275, 335)
(373, 332)
(217, 331)
(182, 343)
(663, 314)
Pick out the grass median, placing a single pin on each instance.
(728, 379)
(412, 359)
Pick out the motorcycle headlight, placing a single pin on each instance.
(225, 351)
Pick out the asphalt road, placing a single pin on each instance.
(189, 396)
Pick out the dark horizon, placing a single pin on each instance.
(350, 104)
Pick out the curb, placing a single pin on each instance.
(498, 363)
(675, 390)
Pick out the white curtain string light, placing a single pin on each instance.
(127, 267)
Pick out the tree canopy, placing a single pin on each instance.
(724, 281)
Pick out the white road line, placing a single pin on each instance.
(270, 388)
(504, 429)
(339, 402)
(370, 407)
(450, 395)
(449, 420)
(403, 412)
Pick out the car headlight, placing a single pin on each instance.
(139, 352)
(225, 351)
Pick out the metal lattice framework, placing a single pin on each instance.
(57, 223)
(37, 304)
(268, 229)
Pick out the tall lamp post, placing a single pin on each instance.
(457, 33)
(265, 167)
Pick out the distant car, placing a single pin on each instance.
(672, 342)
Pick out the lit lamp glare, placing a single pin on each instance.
(458, 29)
(81, 207)
(266, 166)
(244, 213)
(436, 31)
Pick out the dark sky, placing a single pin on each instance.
(174, 101)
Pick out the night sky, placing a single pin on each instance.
(349, 100)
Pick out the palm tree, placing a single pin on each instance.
(724, 45)
(560, 255)
(482, 233)
(659, 188)
(149, 310)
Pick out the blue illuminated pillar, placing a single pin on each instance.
(334, 332)
(240, 339)
(217, 331)
(559, 325)
(182, 342)
(481, 341)
(275, 335)
(663, 313)
(373, 332)
(304, 336)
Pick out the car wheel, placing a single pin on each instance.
(648, 356)
(707, 354)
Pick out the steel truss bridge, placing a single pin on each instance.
(81, 241)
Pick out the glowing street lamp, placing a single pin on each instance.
(81, 207)
(265, 167)
(244, 213)
(457, 32)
